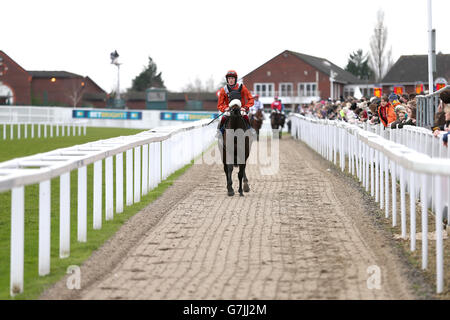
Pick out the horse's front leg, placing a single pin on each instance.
(229, 171)
(241, 175)
(246, 186)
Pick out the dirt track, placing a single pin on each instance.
(301, 234)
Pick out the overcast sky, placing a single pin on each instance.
(189, 39)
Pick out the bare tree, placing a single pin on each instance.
(379, 60)
(198, 86)
(75, 92)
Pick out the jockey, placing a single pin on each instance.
(256, 106)
(233, 91)
(276, 105)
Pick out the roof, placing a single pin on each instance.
(95, 84)
(18, 65)
(53, 74)
(325, 66)
(409, 69)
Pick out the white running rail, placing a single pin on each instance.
(376, 160)
(159, 152)
(26, 130)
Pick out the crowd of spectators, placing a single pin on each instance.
(392, 111)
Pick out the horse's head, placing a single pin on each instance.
(235, 107)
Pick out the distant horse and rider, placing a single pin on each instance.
(277, 117)
(256, 122)
(257, 115)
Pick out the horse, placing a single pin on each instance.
(256, 122)
(242, 136)
(277, 120)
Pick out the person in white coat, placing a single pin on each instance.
(256, 106)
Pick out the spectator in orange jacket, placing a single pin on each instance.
(386, 112)
(393, 102)
(233, 91)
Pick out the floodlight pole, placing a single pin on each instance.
(118, 81)
(430, 49)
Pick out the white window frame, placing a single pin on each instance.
(289, 92)
(269, 93)
(304, 92)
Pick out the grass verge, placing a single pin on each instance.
(34, 284)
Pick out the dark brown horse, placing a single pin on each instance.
(235, 145)
(277, 121)
(256, 122)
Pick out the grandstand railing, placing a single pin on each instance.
(427, 107)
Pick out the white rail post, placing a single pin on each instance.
(372, 171)
(39, 130)
(62, 130)
(377, 177)
(159, 157)
(137, 174)
(64, 216)
(26, 130)
(381, 166)
(163, 160)
(402, 202)
(151, 170)
(366, 167)
(45, 130)
(12, 131)
(335, 136)
(129, 177)
(44, 228)
(82, 204)
(439, 241)
(394, 193)
(109, 214)
(119, 182)
(144, 169)
(349, 149)
(386, 186)
(4, 131)
(57, 129)
(412, 210)
(361, 163)
(424, 202)
(98, 194)
(17, 240)
(18, 131)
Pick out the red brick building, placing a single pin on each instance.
(298, 78)
(50, 88)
